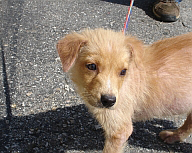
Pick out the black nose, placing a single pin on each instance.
(108, 100)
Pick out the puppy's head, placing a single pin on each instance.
(98, 62)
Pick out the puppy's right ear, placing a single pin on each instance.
(68, 49)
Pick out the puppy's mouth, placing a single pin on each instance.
(104, 101)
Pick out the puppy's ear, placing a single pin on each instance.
(137, 49)
(68, 49)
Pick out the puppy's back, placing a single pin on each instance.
(176, 50)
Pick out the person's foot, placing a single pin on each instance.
(166, 10)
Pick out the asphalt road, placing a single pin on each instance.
(39, 109)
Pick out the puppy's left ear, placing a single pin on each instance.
(68, 49)
(137, 49)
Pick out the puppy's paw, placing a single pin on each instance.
(170, 136)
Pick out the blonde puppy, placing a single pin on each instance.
(122, 80)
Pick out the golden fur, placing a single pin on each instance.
(158, 80)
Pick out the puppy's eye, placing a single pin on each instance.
(91, 66)
(123, 72)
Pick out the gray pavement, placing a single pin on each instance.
(39, 109)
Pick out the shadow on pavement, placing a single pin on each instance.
(73, 128)
(145, 135)
(70, 128)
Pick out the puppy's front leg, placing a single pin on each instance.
(116, 140)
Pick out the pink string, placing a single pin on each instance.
(128, 16)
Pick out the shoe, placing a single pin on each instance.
(166, 10)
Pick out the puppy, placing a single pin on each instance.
(122, 80)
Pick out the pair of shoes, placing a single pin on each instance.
(166, 10)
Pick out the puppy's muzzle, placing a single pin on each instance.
(108, 100)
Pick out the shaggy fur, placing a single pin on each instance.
(139, 81)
